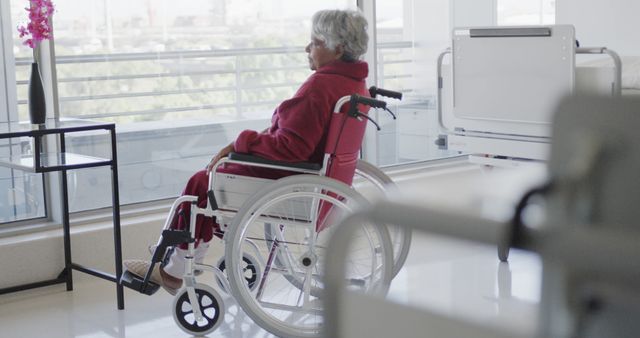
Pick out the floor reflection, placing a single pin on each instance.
(458, 279)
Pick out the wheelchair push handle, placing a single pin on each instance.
(375, 91)
(357, 99)
(372, 102)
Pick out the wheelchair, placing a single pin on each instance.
(276, 233)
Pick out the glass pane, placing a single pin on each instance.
(23, 56)
(181, 81)
(411, 35)
(21, 193)
(21, 197)
(526, 12)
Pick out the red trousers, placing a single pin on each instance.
(198, 185)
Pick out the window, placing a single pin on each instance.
(179, 81)
(410, 36)
(21, 193)
(182, 81)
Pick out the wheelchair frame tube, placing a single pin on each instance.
(172, 211)
(254, 164)
(188, 278)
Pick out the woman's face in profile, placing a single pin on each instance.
(319, 54)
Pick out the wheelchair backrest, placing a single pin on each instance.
(342, 150)
(344, 140)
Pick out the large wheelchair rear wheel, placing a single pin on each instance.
(374, 184)
(301, 213)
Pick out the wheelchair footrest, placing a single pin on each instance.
(135, 282)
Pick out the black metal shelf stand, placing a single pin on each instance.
(61, 161)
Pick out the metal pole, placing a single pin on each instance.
(115, 195)
(65, 220)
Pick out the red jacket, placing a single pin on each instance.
(299, 124)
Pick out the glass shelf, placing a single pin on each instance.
(51, 126)
(53, 162)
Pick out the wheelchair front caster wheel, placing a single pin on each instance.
(211, 306)
(250, 267)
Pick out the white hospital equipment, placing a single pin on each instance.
(498, 92)
(588, 242)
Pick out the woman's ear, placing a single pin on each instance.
(339, 51)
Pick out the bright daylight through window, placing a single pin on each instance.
(182, 81)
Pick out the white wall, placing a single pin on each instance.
(612, 23)
(40, 256)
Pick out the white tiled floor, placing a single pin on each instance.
(466, 281)
(459, 279)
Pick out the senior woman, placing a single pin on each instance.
(297, 132)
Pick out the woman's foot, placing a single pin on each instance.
(170, 281)
(139, 268)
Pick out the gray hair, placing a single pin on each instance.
(341, 27)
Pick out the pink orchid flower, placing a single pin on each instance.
(38, 28)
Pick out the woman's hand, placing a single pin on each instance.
(222, 153)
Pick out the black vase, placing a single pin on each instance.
(37, 104)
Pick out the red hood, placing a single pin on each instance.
(358, 70)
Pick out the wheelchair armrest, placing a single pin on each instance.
(257, 159)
